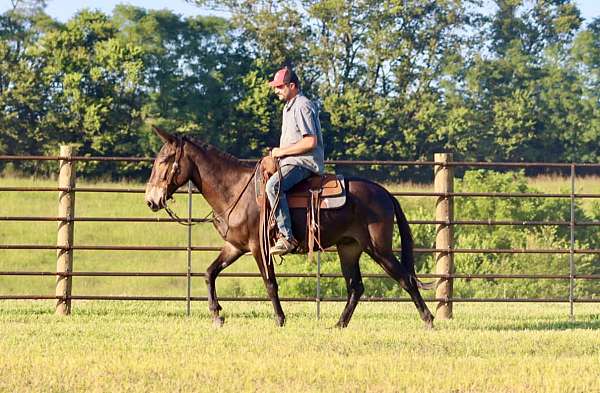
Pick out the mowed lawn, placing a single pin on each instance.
(149, 347)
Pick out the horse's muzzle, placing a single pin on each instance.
(155, 197)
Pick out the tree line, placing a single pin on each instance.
(395, 79)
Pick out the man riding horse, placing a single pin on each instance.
(363, 223)
(300, 150)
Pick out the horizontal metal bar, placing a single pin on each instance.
(98, 274)
(519, 164)
(412, 194)
(85, 189)
(206, 220)
(100, 219)
(415, 194)
(74, 158)
(302, 275)
(491, 194)
(299, 299)
(500, 222)
(249, 160)
(212, 248)
(329, 162)
(381, 162)
(106, 248)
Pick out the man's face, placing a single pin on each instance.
(285, 92)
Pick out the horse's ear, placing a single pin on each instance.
(163, 135)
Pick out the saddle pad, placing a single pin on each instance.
(333, 194)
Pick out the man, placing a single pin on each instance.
(300, 150)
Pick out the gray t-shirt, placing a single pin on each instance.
(300, 118)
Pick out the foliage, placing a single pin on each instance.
(393, 79)
(519, 237)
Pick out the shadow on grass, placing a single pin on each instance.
(543, 325)
(535, 323)
(395, 316)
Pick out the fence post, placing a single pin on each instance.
(66, 209)
(189, 252)
(444, 211)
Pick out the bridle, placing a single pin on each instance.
(169, 178)
(175, 167)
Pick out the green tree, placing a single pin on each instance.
(22, 95)
(199, 78)
(93, 82)
(585, 65)
(518, 100)
(375, 67)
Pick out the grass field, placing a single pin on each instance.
(147, 347)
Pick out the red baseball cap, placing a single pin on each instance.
(282, 77)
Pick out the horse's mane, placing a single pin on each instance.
(213, 150)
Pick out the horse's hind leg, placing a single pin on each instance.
(391, 265)
(227, 256)
(349, 256)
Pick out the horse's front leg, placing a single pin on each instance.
(229, 254)
(271, 285)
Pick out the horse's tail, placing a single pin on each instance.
(407, 255)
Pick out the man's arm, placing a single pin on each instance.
(306, 144)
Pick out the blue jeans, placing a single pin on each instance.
(290, 176)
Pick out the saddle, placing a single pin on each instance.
(331, 189)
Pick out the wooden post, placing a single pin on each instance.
(444, 211)
(66, 209)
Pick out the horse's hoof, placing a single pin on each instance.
(338, 326)
(429, 325)
(280, 321)
(218, 321)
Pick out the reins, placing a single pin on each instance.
(229, 210)
(183, 221)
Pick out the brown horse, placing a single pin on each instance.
(364, 223)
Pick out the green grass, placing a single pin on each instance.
(561, 184)
(148, 347)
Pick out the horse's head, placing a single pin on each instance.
(170, 171)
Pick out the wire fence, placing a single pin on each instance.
(444, 221)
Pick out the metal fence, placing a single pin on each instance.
(444, 249)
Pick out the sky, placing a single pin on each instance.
(63, 10)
